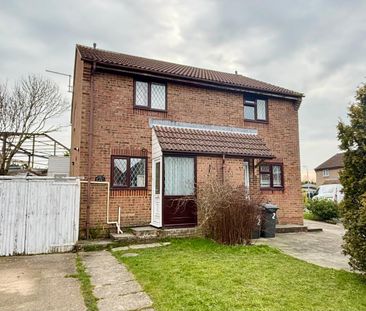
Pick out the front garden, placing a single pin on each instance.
(199, 274)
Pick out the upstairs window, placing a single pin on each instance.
(326, 173)
(271, 176)
(128, 172)
(150, 95)
(255, 109)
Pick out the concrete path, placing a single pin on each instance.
(115, 287)
(39, 283)
(321, 248)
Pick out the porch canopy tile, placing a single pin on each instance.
(200, 141)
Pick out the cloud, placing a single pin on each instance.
(315, 47)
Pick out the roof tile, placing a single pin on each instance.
(180, 71)
(335, 161)
(176, 139)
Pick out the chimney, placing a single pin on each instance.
(94, 45)
(236, 72)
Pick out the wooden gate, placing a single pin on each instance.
(38, 215)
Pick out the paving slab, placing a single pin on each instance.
(121, 248)
(142, 246)
(39, 283)
(322, 248)
(114, 286)
(139, 246)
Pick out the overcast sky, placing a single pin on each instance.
(315, 47)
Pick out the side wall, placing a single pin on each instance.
(333, 177)
(78, 125)
(119, 129)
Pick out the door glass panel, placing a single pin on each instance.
(157, 177)
(246, 176)
(179, 176)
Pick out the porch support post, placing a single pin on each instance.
(223, 168)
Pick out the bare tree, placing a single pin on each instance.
(27, 109)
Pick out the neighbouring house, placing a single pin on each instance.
(328, 171)
(147, 132)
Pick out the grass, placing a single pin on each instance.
(198, 274)
(311, 216)
(86, 287)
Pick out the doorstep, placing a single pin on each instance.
(151, 233)
(291, 228)
(297, 228)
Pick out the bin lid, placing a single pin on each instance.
(270, 206)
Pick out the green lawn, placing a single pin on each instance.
(197, 274)
(311, 216)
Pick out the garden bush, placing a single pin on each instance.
(352, 136)
(324, 209)
(228, 215)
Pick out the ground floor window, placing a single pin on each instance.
(128, 172)
(271, 175)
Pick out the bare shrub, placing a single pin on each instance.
(31, 107)
(228, 215)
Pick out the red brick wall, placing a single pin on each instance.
(229, 169)
(121, 129)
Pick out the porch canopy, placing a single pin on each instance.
(211, 142)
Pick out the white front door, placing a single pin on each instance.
(156, 196)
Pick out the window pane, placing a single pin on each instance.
(138, 172)
(265, 168)
(277, 175)
(265, 180)
(158, 96)
(261, 110)
(179, 176)
(141, 98)
(119, 172)
(157, 177)
(249, 113)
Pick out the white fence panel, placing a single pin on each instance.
(38, 215)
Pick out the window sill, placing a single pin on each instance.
(256, 121)
(148, 109)
(126, 188)
(273, 189)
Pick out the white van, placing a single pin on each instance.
(332, 191)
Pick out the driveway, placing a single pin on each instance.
(39, 283)
(321, 248)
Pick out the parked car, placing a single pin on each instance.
(332, 191)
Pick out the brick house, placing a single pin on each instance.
(328, 171)
(145, 132)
